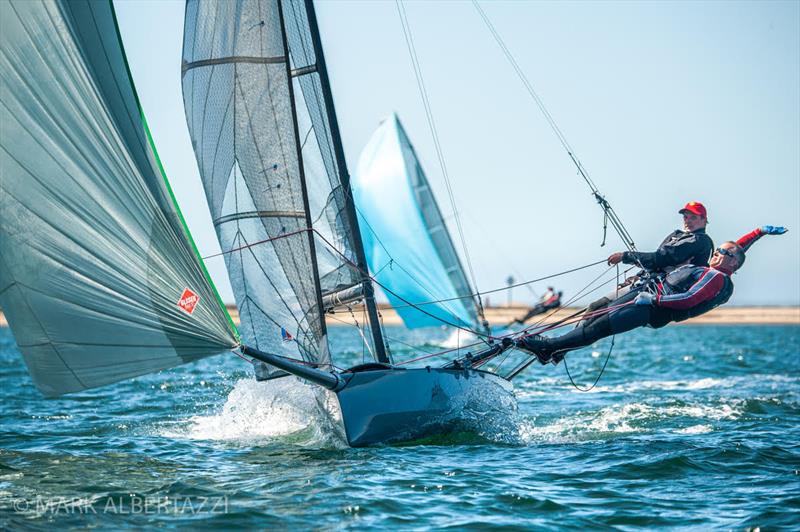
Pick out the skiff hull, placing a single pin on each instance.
(394, 405)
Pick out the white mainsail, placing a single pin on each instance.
(261, 121)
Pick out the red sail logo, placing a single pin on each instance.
(188, 300)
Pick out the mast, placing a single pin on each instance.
(369, 294)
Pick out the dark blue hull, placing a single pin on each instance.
(393, 405)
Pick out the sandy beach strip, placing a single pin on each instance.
(757, 315)
(496, 316)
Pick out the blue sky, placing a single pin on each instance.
(663, 102)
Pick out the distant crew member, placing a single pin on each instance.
(685, 292)
(549, 300)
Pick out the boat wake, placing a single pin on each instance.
(285, 410)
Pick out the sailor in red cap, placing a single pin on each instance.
(690, 245)
(685, 292)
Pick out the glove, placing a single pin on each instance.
(644, 298)
(773, 229)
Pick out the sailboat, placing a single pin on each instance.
(263, 126)
(100, 280)
(406, 241)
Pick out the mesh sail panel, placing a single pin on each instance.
(98, 279)
(335, 246)
(402, 222)
(242, 106)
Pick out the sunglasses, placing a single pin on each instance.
(726, 252)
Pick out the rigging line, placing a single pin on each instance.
(483, 336)
(526, 364)
(561, 323)
(608, 356)
(266, 240)
(519, 368)
(436, 354)
(392, 260)
(439, 152)
(615, 221)
(517, 284)
(414, 347)
(580, 294)
(556, 325)
(602, 370)
(357, 326)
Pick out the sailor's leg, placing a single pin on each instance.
(605, 301)
(617, 321)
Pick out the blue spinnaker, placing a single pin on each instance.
(409, 250)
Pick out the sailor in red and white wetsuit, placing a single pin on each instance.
(685, 292)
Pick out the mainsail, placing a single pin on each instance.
(407, 243)
(99, 279)
(263, 129)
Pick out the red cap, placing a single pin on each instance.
(695, 207)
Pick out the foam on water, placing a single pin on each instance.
(695, 429)
(691, 385)
(628, 418)
(270, 410)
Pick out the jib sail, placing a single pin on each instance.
(99, 280)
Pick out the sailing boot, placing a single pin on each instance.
(537, 345)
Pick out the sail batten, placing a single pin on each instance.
(279, 60)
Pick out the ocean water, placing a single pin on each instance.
(689, 427)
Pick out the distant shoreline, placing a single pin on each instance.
(750, 315)
(746, 315)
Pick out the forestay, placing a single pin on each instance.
(98, 278)
(257, 115)
(414, 256)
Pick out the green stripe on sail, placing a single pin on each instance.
(183, 223)
(166, 181)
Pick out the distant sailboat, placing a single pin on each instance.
(406, 241)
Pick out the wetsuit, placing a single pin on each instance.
(685, 292)
(680, 247)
